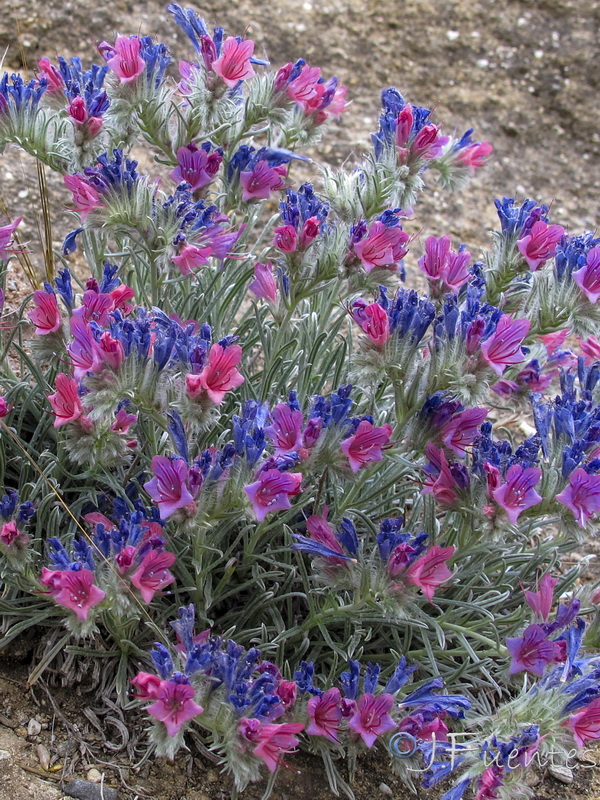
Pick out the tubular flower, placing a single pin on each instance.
(365, 447)
(169, 488)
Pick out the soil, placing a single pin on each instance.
(523, 73)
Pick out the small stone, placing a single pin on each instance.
(21, 731)
(85, 790)
(538, 53)
(562, 774)
(94, 775)
(33, 727)
(4, 755)
(23, 194)
(43, 756)
(482, 63)
(452, 35)
(385, 789)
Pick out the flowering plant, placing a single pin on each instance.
(227, 400)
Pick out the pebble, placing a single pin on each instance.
(4, 755)
(562, 774)
(385, 789)
(85, 790)
(94, 775)
(33, 727)
(482, 63)
(43, 756)
(452, 35)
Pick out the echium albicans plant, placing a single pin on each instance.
(264, 403)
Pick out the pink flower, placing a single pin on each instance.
(489, 783)
(425, 731)
(399, 559)
(373, 320)
(8, 533)
(365, 446)
(433, 263)
(382, 246)
(95, 307)
(287, 692)
(430, 570)
(585, 724)
(123, 421)
(110, 350)
(590, 348)
(325, 713)
(474, 155)
(518, 494)
(264, 285)
(540, 243)
(310, 231)
(273, 740)
(66, 402)
(45, 316)
(233, 64)
(148, 686)
(588, 277)
(258, 183)
(286, 238)
(533, 652)
(552, 341)
(127, 62)
(153, 574)
(286, 431)
(220, 375)
(321, 531)
(85, 197)
(441, 263)
(503, 347)
(541, 601)
(191, 257)
(83, 350)
(272, 491)
(462, 429)
(195, 166)
(169, 488)
(6, 235)
(124, 560)
(120, 296)
(52, 579)
(456, 270)
(428, 143)
(371, 718)
(77, 110)
(175, 706)
(78, 592)
(306, 90)
(441, 482)
(581, 495)
(4, 407)
(55, 80)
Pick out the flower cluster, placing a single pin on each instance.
(123, 560)
(254, 713)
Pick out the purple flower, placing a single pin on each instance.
(518, 494)
(371, 717)
(588, 277)
(533, 652)
(175, 706)
(582, 495)
(503, 347)
(169, 488)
